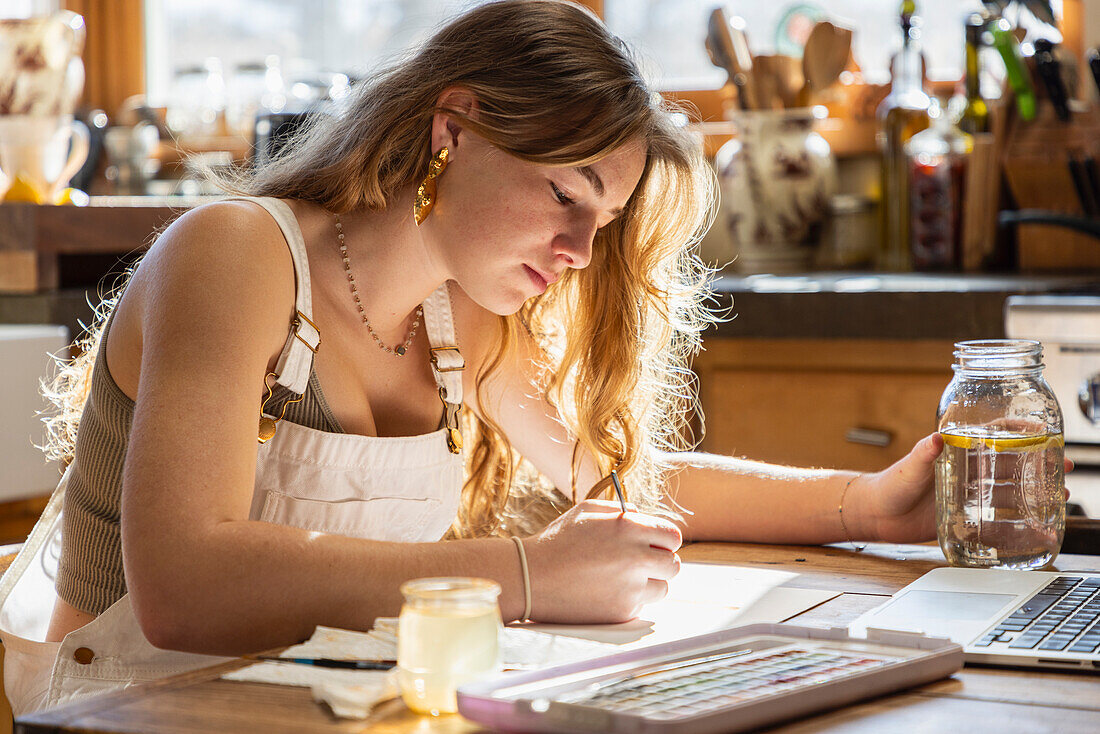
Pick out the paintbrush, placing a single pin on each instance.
(618, 489)
(329, 662)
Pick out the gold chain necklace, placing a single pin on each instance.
(399, 350)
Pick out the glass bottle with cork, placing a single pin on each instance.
(903, 114)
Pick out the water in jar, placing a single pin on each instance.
(440, 649)
(999, 497)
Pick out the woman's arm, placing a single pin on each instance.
(729, 498)
(737, 499)
(725, 498)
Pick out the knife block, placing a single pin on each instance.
(1036, 167)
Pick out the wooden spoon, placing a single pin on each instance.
(825, 56)
(784, 79)
(729, 48)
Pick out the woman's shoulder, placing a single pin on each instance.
(226, 259)
(226, 226)
(224, 240)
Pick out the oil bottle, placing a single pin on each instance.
(903, 114)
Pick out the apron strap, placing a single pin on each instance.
(39, 535)
(447, 361)
(296, 360)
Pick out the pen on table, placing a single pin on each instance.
(329, 662)
(618, 489)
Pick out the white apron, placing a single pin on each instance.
(397, 489)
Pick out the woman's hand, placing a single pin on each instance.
(897, 504)
(596, 564)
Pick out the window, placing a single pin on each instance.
(670, 33)
(302, 37)
(27, 8)
(307, 37)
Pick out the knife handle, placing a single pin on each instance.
(1050, 73)
(1094, 65)
(1079, 175)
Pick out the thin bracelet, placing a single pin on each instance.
(840, 511)
(526, 580)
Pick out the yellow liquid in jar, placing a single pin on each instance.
(999, 498)
(439, 650)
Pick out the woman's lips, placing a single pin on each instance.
(540, 282)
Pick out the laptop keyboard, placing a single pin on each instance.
(1064, 615)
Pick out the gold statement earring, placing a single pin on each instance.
(425, 193)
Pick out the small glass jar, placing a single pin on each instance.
(448, 634)
(851, 233)
(1000, 480)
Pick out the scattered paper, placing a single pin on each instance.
(353, 693)
(702, 598)
(349, 693)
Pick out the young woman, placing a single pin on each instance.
(445, 314)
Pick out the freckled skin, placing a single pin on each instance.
(497, 213)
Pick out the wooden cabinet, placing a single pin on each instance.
(18, 517)
(852, 404)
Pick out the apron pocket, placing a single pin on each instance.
(401, 519)
(27, 668)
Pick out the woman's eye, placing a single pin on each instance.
(560, 195)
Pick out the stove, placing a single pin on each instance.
(1069, 328)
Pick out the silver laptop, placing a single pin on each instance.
(1021, 618)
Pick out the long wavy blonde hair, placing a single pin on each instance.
(556, 88)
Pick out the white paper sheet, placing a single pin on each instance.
(704, 597)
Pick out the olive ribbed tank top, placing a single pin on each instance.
(90, 576)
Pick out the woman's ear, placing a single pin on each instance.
(446, 128)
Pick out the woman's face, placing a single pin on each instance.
(504, 228)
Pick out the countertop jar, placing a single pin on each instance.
(1000, 480)
(448, 634)
(776, 178)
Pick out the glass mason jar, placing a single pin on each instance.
(1000, 479)
(448, 634)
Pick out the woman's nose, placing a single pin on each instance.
(575, 245)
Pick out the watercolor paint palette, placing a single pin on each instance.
(732, 680)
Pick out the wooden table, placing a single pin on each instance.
(972, 701)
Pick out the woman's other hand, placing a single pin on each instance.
(897, 504)
(596, 564)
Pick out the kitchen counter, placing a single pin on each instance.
(69, 307)
(811, 306)
(866, 305)
(44, 247)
